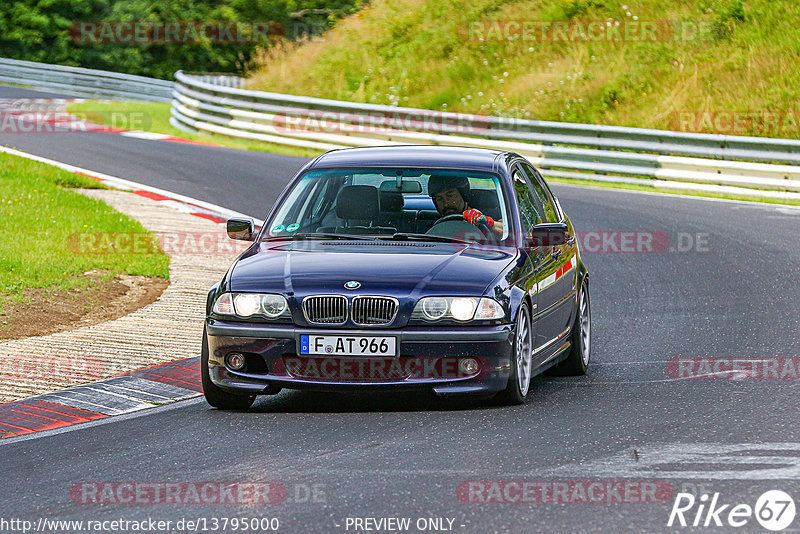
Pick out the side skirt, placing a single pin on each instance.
(559, 356)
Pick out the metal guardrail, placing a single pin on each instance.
(81, 82)
(219, 104)
(606, 153)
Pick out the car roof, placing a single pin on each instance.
(455, 157)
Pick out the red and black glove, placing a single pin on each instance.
(475, 217)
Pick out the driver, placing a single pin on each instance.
(451, 196)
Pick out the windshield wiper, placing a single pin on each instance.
(402, 236)
(317, 235)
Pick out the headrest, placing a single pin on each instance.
(391, 201)
(357, 202)
(487, 202)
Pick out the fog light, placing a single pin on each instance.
(468, 366)
(236, 361)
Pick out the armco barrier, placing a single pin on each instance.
(77, 81)
(567, 150)
(219, 104)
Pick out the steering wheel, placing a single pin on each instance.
(487, 233)
(451, 217)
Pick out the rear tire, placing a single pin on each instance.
(521, 361)
(215, 396)
(579, 353)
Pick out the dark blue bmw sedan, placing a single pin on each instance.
(450, 270)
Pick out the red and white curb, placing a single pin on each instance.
(128, 392)
(152, 136)
(182, 203)
(121, 394)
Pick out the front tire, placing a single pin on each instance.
(578, 360)
(215, 396)
(521, 361)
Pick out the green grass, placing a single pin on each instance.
(154, 117)
(419, 53)
(41, 222)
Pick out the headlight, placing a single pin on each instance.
(434, 308)
(273, 305)
(458, 308)
(463, 309)
(250, 304)
(247, 304)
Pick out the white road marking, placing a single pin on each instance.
(713, 461)
(152, 136)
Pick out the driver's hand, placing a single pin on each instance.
(475, 217)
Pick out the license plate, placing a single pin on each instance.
(348, 345)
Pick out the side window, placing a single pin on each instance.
(550, 210)
(531, 210)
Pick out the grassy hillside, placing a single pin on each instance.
(707, 58)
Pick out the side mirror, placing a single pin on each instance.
(241, 229)
(547, 235)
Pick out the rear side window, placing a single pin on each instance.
(550, 211)
(531, 209)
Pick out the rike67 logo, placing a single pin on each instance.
(774, 510)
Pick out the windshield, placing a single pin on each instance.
(388, 203)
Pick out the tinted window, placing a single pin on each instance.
(368, 201)
(531, 209)
(550, 212)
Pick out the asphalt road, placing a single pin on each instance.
(732, 293)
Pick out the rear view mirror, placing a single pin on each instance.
(547, 235)
(241, 229)
(408, 186)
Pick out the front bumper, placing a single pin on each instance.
(427, 359)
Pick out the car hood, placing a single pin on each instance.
(402, 270)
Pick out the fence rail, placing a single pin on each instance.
(78, 81)
(219, 104)
(607, 153)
